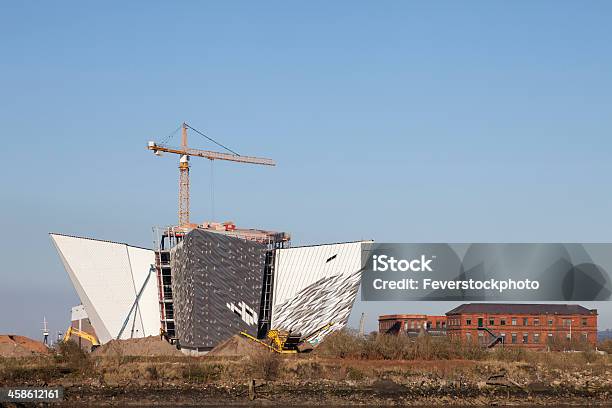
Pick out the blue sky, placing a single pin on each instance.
(396, 121)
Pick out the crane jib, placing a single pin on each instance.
(214, 155)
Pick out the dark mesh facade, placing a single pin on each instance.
(217, 286)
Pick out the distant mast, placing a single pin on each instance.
(362, 325)
(45, 331)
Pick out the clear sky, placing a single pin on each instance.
(481, 121)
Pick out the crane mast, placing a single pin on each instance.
(183, 201)
(185, 152)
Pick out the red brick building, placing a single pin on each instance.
(411, 324)
(523, 325)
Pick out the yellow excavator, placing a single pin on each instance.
(287, 342)
(85, 336)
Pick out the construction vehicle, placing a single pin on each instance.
(283, 343)
(185, 153)
(286, 341)
(83, 335)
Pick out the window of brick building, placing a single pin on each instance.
(502, 322)
(514, 321)
(525, 338)
(491, 322)
(513, 338)
(468, 322)
(536, 337)
(567, 322)
(550, 322)
(584, 321)
(585, 336)
(536, 322)
(525, 321)
(503, 337)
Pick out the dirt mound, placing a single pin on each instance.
(12, 345)
(237, 345)
(146, 346)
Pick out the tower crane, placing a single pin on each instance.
(185, 152)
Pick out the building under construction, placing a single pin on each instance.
(201, 284)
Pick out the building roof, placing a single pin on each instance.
(95, 239)
(409, 316)
(520, 308)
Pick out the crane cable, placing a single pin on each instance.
(170, 136)
(212, 140)
(212, 189)
(212, 172)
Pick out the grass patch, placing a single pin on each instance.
(345, 344)
(265, 364)
(202, 372)
(30, 370)
(73, 357)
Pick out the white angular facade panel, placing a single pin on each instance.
(314, 286)
(298, 267)
(107, 277)
(328, 300)
(145, 279)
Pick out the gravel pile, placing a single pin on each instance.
(146, 346)
(237, 345)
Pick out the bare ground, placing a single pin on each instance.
(310, 380)
(147, 372)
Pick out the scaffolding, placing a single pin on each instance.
(165, 238)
